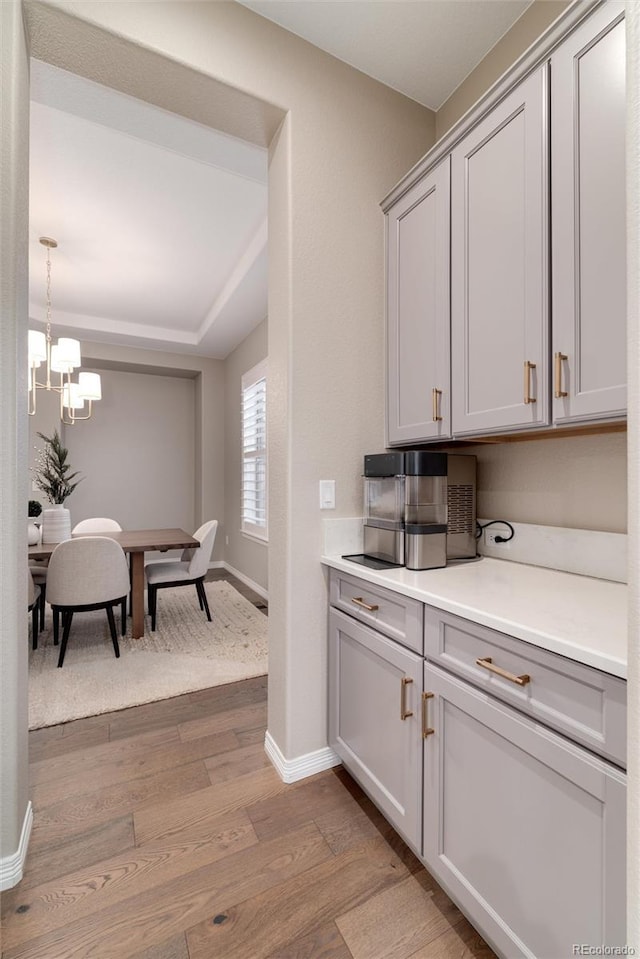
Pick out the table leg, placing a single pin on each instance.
(137, 594)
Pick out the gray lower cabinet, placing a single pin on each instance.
(418, 311)
(588, 207)
(499, 273)
(500, 763)
(525, 830)
(374, 714)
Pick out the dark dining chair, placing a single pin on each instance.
(87, 573)
(33, 604)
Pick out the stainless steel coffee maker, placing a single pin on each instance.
(419, 508)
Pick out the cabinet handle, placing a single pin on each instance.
(358, 600)
(487, 663)
(528, 366)
(404, 712)
(427, 730)
(435, 394)
(558, 391)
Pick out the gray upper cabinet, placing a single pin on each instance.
(418, 375)
(588, 219)
(499, 266)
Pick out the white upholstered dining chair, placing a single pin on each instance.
(87, 573)
(190, 570)
(97, 524)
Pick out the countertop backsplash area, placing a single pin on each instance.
(581, 551)
(586, 552)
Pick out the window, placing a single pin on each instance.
(254, 451)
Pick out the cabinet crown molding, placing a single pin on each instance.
(536, 54)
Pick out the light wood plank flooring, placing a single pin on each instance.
(163, 832)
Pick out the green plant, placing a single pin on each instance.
(35, 507)
(51, 471)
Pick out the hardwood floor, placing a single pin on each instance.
(163, 832)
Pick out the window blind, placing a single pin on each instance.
(254, 452)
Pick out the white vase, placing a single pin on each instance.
(56, 524)
(33, 533)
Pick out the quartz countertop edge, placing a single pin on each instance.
(580, 617)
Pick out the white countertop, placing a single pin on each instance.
(582, 618)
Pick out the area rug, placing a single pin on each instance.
(185, 653)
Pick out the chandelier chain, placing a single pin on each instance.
(48, 293)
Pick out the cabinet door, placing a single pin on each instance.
(418, 312)
(374, 696)
(525, 830)
(588, 219)
(499, 272)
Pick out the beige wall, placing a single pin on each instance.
(577, 481)
(344, 142)
(632, 10)
(137, 452)
(14, 145)
(180, 406)
(243, 553)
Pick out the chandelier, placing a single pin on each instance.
(61, 358)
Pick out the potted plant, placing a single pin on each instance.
(33, 532)
(52, 476)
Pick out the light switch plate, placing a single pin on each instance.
(327, 494)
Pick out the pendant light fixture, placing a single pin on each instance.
(61, 358)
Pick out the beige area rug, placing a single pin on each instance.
(184, 653)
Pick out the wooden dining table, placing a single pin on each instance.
(136, 542)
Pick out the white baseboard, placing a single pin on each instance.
(12, 867)
(260, 590)
(291, 770)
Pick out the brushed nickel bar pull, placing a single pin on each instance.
(427, 730)
(435, 394)
(404, 712)
(358, 600)
(528, 366)
(487, 663)
(558, 391)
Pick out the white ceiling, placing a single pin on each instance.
(422, 48)
(161, 222)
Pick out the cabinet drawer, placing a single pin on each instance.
(397, 616)
(583, 703)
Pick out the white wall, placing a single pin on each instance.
(242, 553)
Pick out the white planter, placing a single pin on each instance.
(33, 532)
(56, 524)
